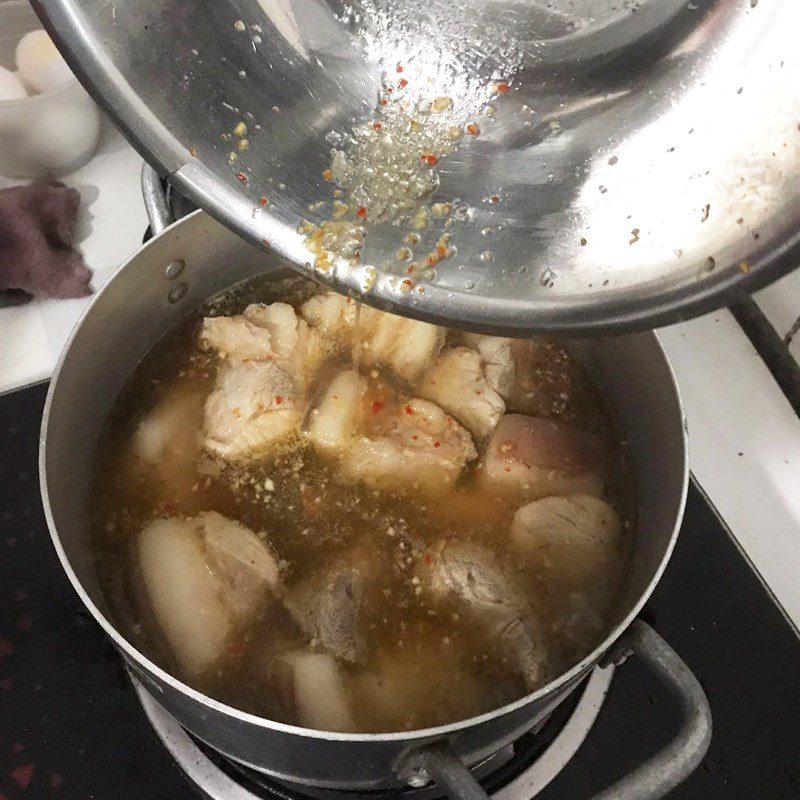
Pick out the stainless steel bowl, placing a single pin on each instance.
(646, 157)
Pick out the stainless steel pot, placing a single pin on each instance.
(168, 278)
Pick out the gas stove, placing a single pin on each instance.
(73, 725)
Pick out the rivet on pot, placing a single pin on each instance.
(177, 292)
(417, 778)
(174, 268)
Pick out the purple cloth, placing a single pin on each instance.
(37, 253)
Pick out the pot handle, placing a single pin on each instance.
(437, 762)
(668, 768)
(155, 200)
(651, 780)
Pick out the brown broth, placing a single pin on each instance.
(427, 663)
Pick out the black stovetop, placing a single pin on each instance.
(71, 727)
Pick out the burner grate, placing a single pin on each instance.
(516, 772)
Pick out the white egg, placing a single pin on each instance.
(40, 64)
(11, 87)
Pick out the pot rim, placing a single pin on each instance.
(131, 652)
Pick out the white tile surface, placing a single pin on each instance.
(780, 302)
(110, 228)
(745, 446)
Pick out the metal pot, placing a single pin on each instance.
(167, 279)
(646, 162)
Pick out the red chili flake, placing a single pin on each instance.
(26, 622)
(441, 250)
(432, 260)
(501, 87)
(18, 747)
(437, 444)
(411, 270)
(376, 126)
(327, 175)
(7, 683)
(430, 159)
(402, 83)
(408, 282)
(409, 410)
(22, 775)
(399, 68)
(428, 558)
(56, 780)
(506, 469)
(473, 129)
(494, 199)
(5, 648)
(241, 177)
(415, 437)
(389, 89)
(278, 399)
(361, 213)
(377, 405)
(262, 201)
(383, 101)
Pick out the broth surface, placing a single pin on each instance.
(429, 658)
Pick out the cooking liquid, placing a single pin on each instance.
(428, 662)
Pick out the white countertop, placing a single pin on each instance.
(745, 438)
(111, 225)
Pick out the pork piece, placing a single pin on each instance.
(203, 577)
(406, 346)
(268, 358)
(251, 409)
(332, 314)
(167, 441)
(422, 449)
(310, 688)
(327, 607)
(549, 382)
(531, 457)
(470, 572)
(259, 333)
(457, 382)
(577, 537)
(268, 333)
(420, 682)
(499, 365)
(330, 425)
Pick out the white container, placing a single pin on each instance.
(44, 134)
